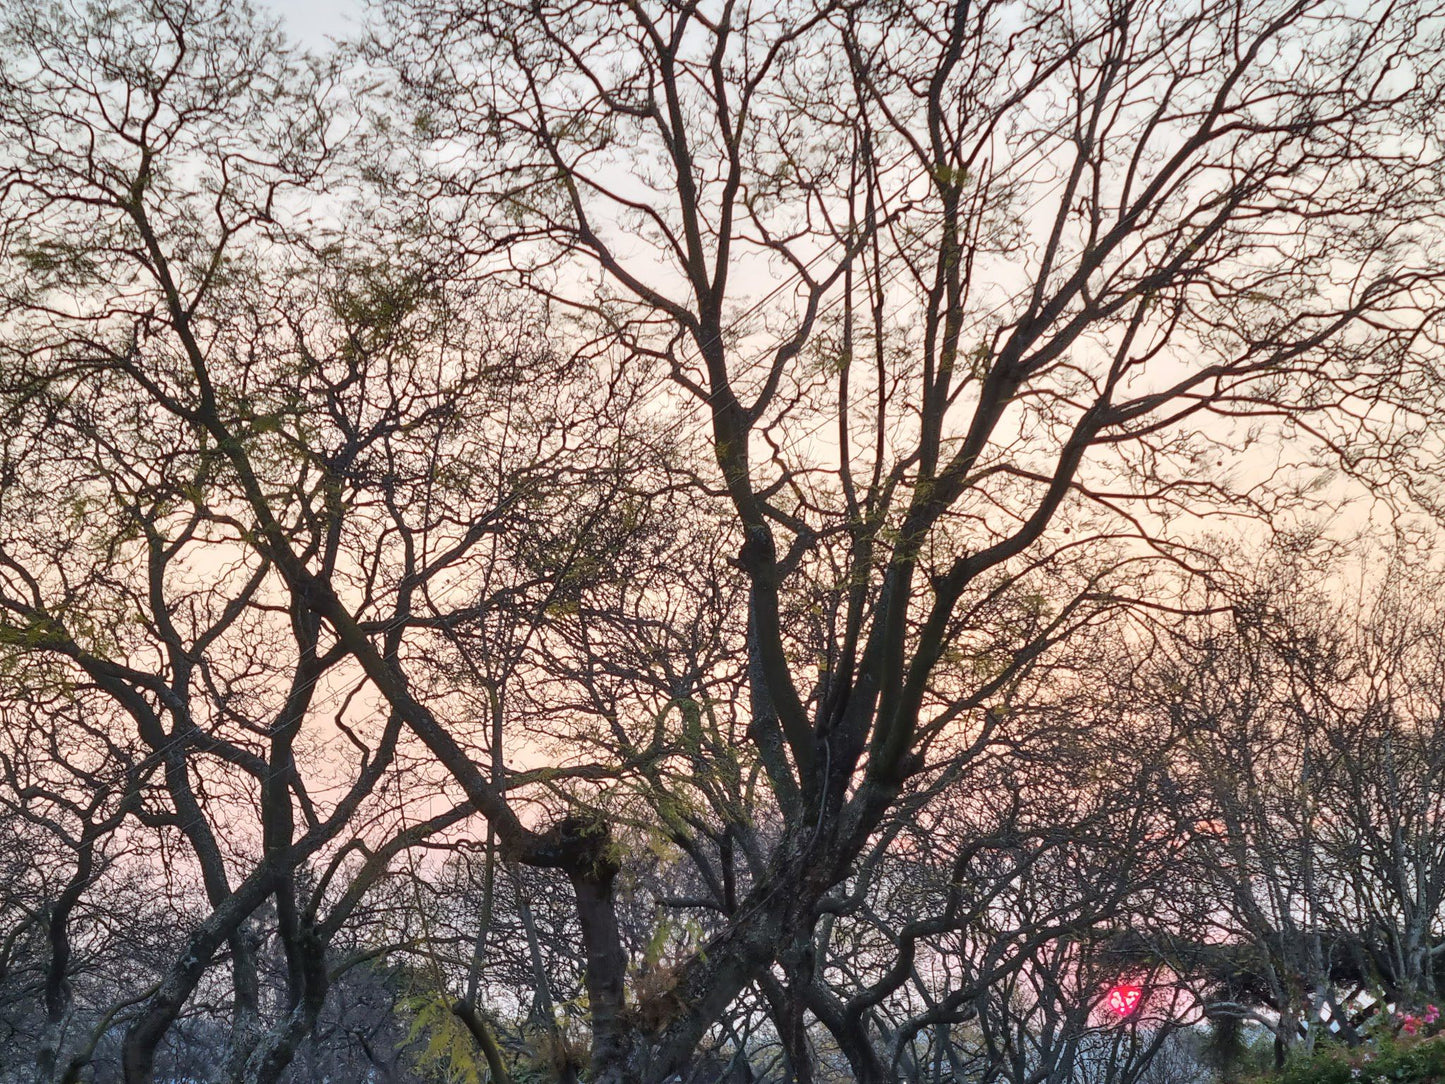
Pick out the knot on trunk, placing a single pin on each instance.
(580, 844)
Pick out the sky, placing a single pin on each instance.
(313, 21)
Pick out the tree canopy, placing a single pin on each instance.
(650, 541)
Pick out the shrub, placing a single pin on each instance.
(1411, 1051)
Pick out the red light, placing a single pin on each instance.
(1124, 999)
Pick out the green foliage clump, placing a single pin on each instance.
(1388, 1061)
(442, 1047)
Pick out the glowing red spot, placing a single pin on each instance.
(1124, 999)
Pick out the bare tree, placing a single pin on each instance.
(1037, 268)
(222, 417)
(362, 477)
